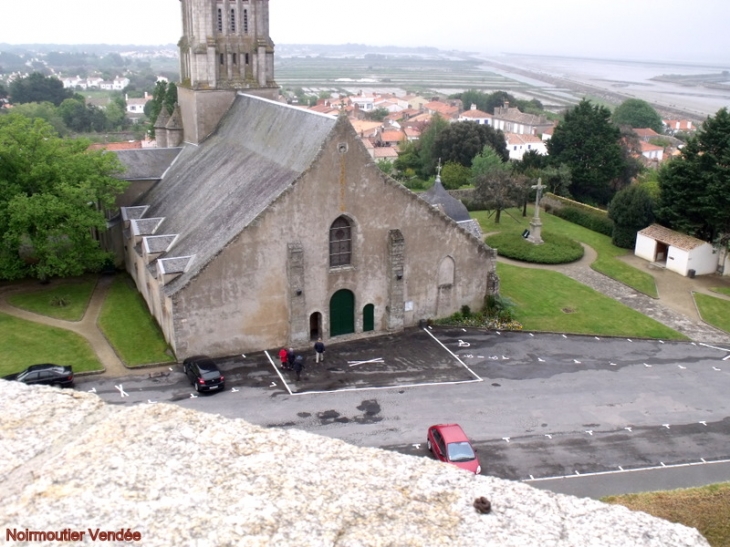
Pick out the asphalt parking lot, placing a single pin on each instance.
(536, 406)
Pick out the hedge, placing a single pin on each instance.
(588, 219)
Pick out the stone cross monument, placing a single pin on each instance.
(535, 224)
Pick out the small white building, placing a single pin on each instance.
(678, 252)
(518, 144)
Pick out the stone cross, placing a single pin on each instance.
(539, 187)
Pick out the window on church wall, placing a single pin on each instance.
(222, 58)
(233, 20)
(246, 58)
(340, 243)
(220, 20)
(234, 59)
(245, 21)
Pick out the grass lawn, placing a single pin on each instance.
(550, 301)
(722, 290)
(24, 343)
(76, 292)
(129, 327)
(607, 262)
(706, 509)
(714, 311)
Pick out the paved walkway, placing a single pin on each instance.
(675, 306)
(87, 327)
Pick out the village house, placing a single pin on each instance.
(518, 144)
(475, 115)
(512, 120)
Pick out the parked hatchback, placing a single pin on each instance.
(45, 374)
(449, 443)
(204, 373)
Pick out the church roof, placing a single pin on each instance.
(437, 195)
(146, 163)
(216, 189)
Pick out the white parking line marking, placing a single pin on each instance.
(590, 432)
(120, 387)
(479, 379)
(193, 396)
(505, 439)
(92, 390)
(704, 423)
(356, 363)
(665, 425)
(278, 372)
(576, 361)
(628, 429)
(717, 369)
(549, 436)
(712, 347)
(680, 366)
(234, 390)
(726, 358)
(647, 366)
(633, 470)
(417, 446)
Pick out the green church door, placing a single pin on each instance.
(368, 318)
(342, 313)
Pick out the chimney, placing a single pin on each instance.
(473, 106)
(506, 105)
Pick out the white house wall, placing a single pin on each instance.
(645, 247)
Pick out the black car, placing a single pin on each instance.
(204, 373)
(46, 374)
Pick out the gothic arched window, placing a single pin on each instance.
(340, 243)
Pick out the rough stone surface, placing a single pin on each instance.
(181, 477)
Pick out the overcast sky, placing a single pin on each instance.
(697, 30)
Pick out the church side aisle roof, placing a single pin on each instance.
(214, 190)
(146, 164)
(437, 195)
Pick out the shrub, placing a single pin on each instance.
(556, 249)
(60, 301)
(588, 219)
(466, 311)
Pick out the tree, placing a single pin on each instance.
(499, 190)
(37, 88)
(52, 195)
(460, 142)
(454, 175)
(637, 113)
(495, 185)
(45, 111)
(588, 143)
(631, 209)
(426, 143)
(377, 115)
(695, 187)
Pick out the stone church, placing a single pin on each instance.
(257, 225)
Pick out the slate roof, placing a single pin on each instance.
(452, 207)
(215, 190)
(670, 237)
(147, 163)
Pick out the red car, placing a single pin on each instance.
(449, 443)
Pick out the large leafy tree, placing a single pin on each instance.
(637, 113)
(37, 88)
(52, 195)
(460, 142)
(425, 145)
(631, 209)
(695, 187)
(496, 186)
(589, 144)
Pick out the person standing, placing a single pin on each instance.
(298, 366)
(283, 357)
(290, 358)
(319, 351)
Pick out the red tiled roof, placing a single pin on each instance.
(646, 132)
(670, 237)
(133, 145)
(475, 114)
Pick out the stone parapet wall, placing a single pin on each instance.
(180, 477)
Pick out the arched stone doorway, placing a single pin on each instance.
(368, 318)
(315, 326)
(342, 313)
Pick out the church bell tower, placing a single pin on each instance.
(225, 48)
